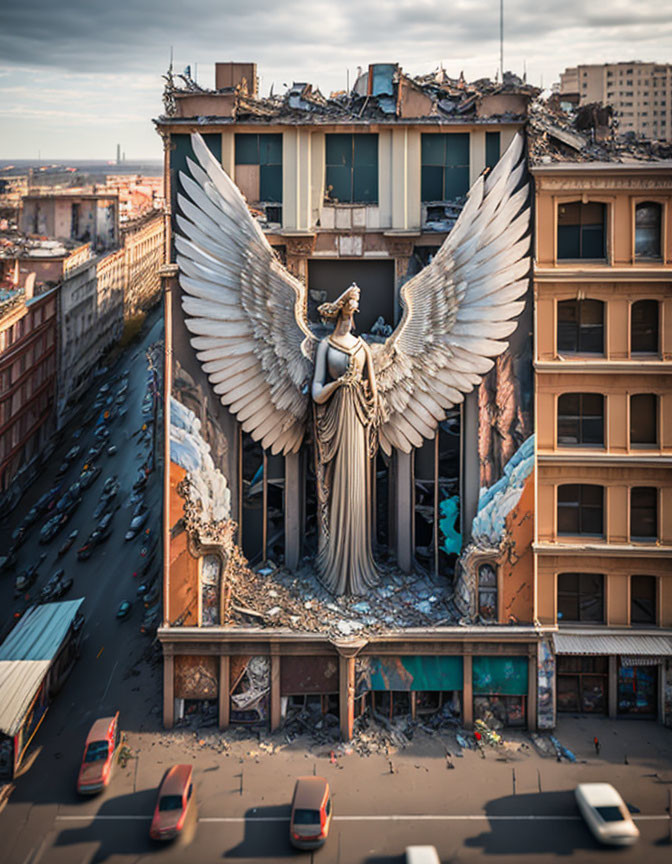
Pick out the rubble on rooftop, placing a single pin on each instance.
(384, 92)
(587, 134)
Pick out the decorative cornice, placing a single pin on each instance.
(662, 182)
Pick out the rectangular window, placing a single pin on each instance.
(648, 220)
(492, 145)
(580, 597)
(581, 327)
(580, 509)
(644, 420)
(581, 231)
(259, 167)
(581, 420)
(352, 168)
(643, 591)
(643, 513)
(445, 166)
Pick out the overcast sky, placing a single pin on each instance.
(79, 76)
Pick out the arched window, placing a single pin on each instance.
(581, 327)
(581, 420)
(487, 592)
(644, 327)
(648, 219)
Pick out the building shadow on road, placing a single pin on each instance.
(537, 836)
(265, 839)
(115, 837)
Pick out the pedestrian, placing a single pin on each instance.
(596, 743)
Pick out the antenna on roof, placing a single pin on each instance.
(171, 58)
(501, 39)
(347, 80)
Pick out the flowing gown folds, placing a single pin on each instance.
(345, 444)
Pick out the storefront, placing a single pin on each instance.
(500, 687)
(621, 674)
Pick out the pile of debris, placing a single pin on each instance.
(273, 596)
(587, 134)
(382, 92)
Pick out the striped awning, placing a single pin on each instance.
(631, 645)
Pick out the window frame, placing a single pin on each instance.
(634, 203)
(352, 200)
(579, 351)
(644, 445)
(444, 137)
(581, 418)
(580, 506)
(644, 538)
(656, 600)
(582, 200)
(656, 351)
(578, 594)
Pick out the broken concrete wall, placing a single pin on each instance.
(496, 104)
(205, 104)
(300, 675)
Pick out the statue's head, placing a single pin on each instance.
(347, 304)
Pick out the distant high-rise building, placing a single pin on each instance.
(640, 93)
(118, 154)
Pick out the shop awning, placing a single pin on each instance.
(26, 656)
(628, 644)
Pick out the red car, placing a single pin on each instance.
(175, 795)
(101, 745)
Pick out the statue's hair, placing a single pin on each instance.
(329, 312)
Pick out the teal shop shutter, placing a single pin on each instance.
(500, 676)
(412, 673)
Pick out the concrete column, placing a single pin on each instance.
(476, 154)
(404, 509)
(275, 692)
(613, 686)
(293, 510)
(470, 481)
(467, 693)
(224, 701)
(532, 690)
(346, 669)
(168, 691)
(229, 152)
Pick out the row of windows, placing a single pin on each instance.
(580, 328)
(581, 511)
(581, 598)
(582, 231)
(581, 420)
(351, 166)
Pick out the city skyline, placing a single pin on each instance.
(74, 84)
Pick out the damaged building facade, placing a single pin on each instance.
(361, 186)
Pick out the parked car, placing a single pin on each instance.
(124, 609)
(18, 536)
(102, 433)
(144, 588)
(51, 528)
(49, 591)
(112, 450)
(172, 803)
(606, 815)
(151, 597)
(99, 751)
(73, 453)
(109, 484)
(87, 477)
(8, 562)
(311, 813)
(95, 451)
(25, 579)
(63, 548)
(62, 468)
(84, 552)
(136, 525)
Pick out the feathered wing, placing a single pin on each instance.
(245, 310)
(458, 310)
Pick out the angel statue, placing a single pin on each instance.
(248, 319)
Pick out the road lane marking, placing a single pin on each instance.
(110, 680)
(385, 818)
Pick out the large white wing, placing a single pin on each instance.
(458, 310)
(246, 311)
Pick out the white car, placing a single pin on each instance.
(422, 855)
(606, 814)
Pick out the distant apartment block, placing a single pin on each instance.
(73, 215)
(640, 93)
